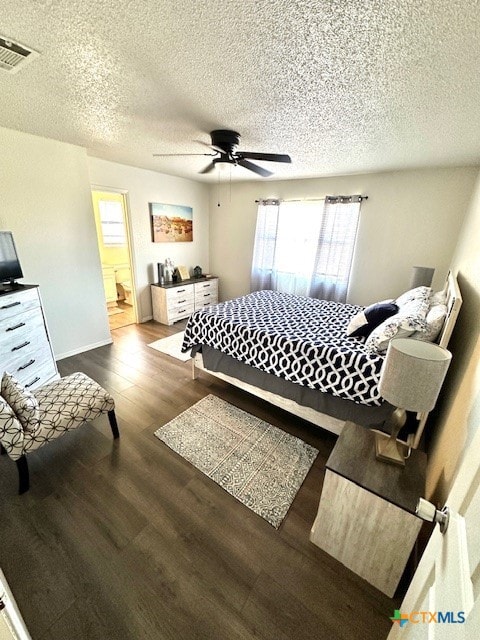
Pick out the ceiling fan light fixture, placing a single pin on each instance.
(224, 144)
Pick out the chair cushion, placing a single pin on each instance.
(11, 431)
(22, 401)
(67, 403)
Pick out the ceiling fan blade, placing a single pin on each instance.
(209, 167)
(210, 146)
(170, 155)
(270, 157)
(254, 167)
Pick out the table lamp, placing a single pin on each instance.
(421, 277)
(411, 378)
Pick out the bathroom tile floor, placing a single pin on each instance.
(127, 316)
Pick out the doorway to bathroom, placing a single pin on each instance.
(111, 221)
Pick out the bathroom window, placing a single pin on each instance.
(112, 223)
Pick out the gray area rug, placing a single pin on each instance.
(257, 463)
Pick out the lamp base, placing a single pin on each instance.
(390, 450)
(387, 447)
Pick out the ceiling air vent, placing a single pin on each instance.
(14, 55)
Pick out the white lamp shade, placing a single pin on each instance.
(413, 373)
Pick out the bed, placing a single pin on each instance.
(294, 352)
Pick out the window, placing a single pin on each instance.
(297, 234)
(112, 223)
(306, 247)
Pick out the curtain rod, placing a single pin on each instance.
(306, 199)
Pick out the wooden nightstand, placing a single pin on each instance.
(366, 516)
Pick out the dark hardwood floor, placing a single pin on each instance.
(125, 540)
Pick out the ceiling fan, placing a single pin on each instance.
(224, 144)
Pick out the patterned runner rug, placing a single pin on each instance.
(257, 463)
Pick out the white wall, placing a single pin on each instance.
(46, 203)
(142, 187)
(410, 218)
(459, 406)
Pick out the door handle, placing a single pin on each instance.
(428, 512)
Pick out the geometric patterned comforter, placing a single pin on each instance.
(294, 337)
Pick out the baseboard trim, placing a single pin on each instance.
(88, 347)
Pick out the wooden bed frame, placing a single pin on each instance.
(334, 425)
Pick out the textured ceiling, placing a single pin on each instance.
(342, 86)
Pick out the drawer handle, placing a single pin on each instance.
(9, 306)
(24, 366)
(36, 379)
(181, 310)
(20, 346)
(17, 326)
(180, 290)
(205, 295)
(181, 301)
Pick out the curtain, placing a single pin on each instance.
(264, 249)
(336, 244)
(302, 249)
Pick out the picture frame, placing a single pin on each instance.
(184, 273)
(171, 222)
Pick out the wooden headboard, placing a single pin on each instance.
(453, 302)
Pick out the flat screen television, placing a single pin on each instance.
(10, 268)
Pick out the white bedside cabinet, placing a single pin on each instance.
(366, 516)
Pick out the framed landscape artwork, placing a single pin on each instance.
(171, 222)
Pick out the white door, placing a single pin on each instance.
(443, 600)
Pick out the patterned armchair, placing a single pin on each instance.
(28, 421)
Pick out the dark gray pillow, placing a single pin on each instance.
(363, 323)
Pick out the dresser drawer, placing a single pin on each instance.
(205, 299)
(181, 295)
(20, 363)
(206, 293)
(206, 286)
(44, 372)
(180, 312)
(186, 301)
(12, 304)
(16, 331)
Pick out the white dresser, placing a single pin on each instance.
(173, 302)
(25, 349)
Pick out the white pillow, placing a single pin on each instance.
(379, 339)
(22, 401)
(410, 319)
(439, 297)
(435, 320)
(422, 293)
